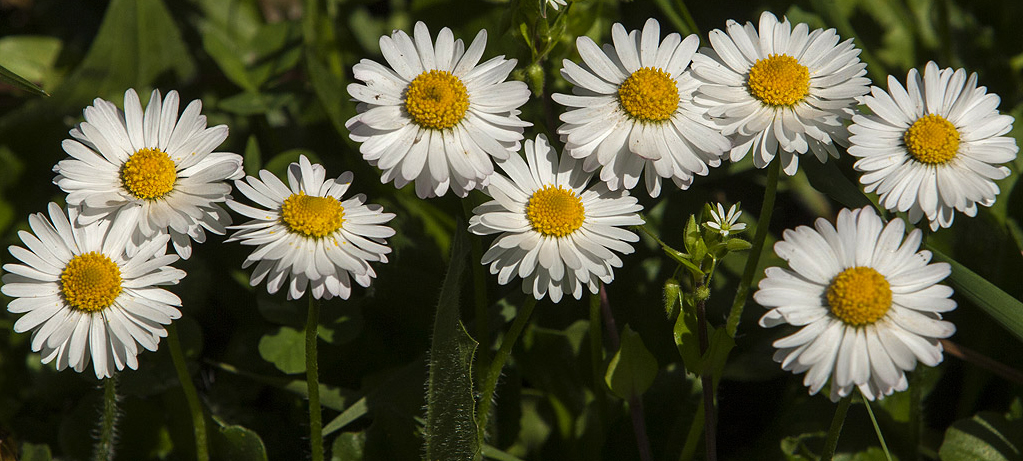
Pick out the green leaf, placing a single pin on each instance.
(692, 233)
(686, 339)
(828, 179)
(987, 436)
(348, 446)
(794, 447)
(254, 103)
(20, 82)
(450, 401)
(738, 245)
(285, 349)
(352, 413)
(236, 443)
(632, 369)
(33, 57)
(1001, 306)
(330, 90)
(33, 452)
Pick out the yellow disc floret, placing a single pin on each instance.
(859, 296)
(312, 216)
(779, 80)
(149, 174)
(436, 99)
(90, 282)
(932, 139)
(649, 94)
(554, 211)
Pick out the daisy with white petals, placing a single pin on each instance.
(555, 233)
(151, 171)
(83, 298)
(631, 111)
(866, 300)
(933, 147)
(434, 116)
(780, 90)
(306, 233)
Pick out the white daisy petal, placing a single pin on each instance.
(555, 233)
(879, 310)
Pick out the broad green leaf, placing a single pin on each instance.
(450, 400)
(34, 452)
(1001, 306)
(686, 339)
(348, 446)
(987, 436)
(236, 443)
(330, 91)
(737, 244)
(795, 447)
(32, 57)
(717, 351)
(254, 103)
(285, 349)
(632, 369)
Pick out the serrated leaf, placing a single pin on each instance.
(236, 443)
(632, 369)
(450, 402)
(285, 349)
(987, 436)
(1001, 306)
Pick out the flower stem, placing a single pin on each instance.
(735, 314)
(194, 406)
(597, 360)
(831, 443)
(707, 380)
(104, 449)
(490, 385)
(636, 402)
(877, 430)
(479, 280)
(693, 437)
(312, 378)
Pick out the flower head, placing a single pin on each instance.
(436, 116)
(306, 233)
(779, 89)
(725, 223)
(84, 298)
(631, 112)
(867, 303)
(933, 147)
(556, 233)
(151, 171)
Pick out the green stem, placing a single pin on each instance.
(597, 359)
(687, 17)
(915, 397)
(490, 385)
(831, 443)
(479, 280)
(763, 222)
(693, 438)
(104, 449)
(194, 406)
(877, 430)
(312, 378)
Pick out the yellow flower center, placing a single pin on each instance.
(149, 174)
(649, 94)
(312, 216)
(90, 282)
(859, 296)
(932, 140)
(436, 99)
(554, 211)
(779, 80)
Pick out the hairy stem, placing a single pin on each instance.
(509, 340)
(104, 449)
(312, 378)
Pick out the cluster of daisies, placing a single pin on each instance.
(656, 108)
(137, 181)
(643, 106)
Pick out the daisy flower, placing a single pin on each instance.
(307, 233)
(933, 147)
(84, 299)
(780, 90)
(631, 110)
(434, 116)
(153, 172)
(867, 303)
(725, 223)
(555, 233)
